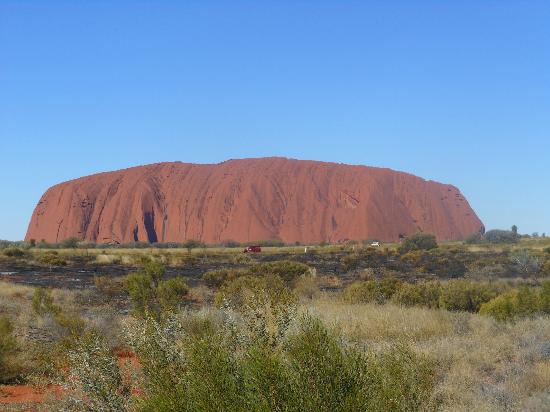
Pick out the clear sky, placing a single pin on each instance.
(454, 91)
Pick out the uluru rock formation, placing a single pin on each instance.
(250, 199)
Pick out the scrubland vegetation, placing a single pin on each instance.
(410, 327)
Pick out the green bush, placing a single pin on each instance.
(140, 287)
(149, 294)
(545, 297)
(465, 295)
(378, 291)
(314, 371)
(502, 308)
(418, 294)
(216, 278)
(171, 293)
(522, 302)
(155, 270)
(418, 241)
(8, 349)
(287, 270)
(244, 291)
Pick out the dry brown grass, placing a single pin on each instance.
(484, 365)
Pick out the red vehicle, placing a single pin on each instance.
(253, 249)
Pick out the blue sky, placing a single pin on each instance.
(457, 92)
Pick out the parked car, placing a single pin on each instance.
(253, 249)
(376, 244)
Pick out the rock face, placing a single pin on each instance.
(250, 199)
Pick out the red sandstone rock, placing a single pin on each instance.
(250, 199)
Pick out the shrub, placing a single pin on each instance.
(502, 307)
(501, 236)
(378, 291)
(43, 304)
(230, 243)
(473, 239)
(545, 297)
(52, 258)
(525, 262)
(267, 243)
(8, 348)
(418, 294)
(70, 243)
(203, 364)
(522, 302)
(287, 270)
(155, 270)
(242, 291)
(149, 294)
(171, 292)
(13, 252)
(418, 241)
(216, 278)
(325, 385)
(400, 380)
(265, 304)
(466, 295)
(140, 287)
(94, 371)
(192, 244)
(528, 301)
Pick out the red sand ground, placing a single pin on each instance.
(251, 199)
(27, 394)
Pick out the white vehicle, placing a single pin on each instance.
(377, 244)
